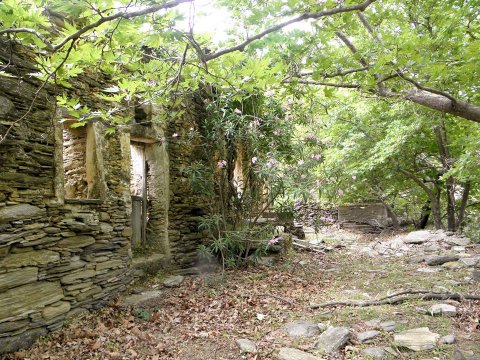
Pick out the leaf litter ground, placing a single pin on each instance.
(203, 317)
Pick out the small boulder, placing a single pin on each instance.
(374, 352)
(470, 261)
(440, 260)
(417, 237)
(295, 354)
(388, 326)
(367, 335)
(173, 281)
(443, 309)
(333, 339)
(447, 339)
(302, 328)
(246, 346)
(418, 339)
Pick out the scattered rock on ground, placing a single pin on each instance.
(136, 299)
(443, 309)
(417, 339)
(372, 323)
(367, 335)
(246, 346)
(459, 241)
(374, 352)
(471, 261)
(388, 326)
(448, 339)
(417, 237)
(302, 328)
(295, 354)
(173, 281)
(440, 260)
(333, 339)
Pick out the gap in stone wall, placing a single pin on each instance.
(74, 162)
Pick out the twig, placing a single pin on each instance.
(290, 302)
(401, 297)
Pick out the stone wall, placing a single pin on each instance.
(371, 214)
(65, 201)
(58, 256)
(187, 208)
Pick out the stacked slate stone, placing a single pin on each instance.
(57, 257)
(187, 208)
(313, 214)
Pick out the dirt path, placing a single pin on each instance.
(203, 317)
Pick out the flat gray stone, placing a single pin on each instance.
(418, 339)
(22, 341)
(373, 323)
(374, 352)
(136, 299)
(440, 260)
(30, 258)
(447, 339)
(20, 212)
(367, 335)
(246, 346)
(333, 339)
(18, 277)
(465, 355)
(470, 261)
(302, 328)
(417, 237)
(295, 354)
(388, 326)
(443, 309)
(173, 281)
(6, 105)
(458, 241)
(476, 275)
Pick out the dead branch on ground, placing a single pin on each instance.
(400, 297)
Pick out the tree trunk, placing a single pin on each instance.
(391, 214)
(424, 215)
(442, 142)
(437, 215)
(463, 204)
(450, 185)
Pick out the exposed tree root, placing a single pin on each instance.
(400, 297)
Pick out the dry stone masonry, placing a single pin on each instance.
(65, 203)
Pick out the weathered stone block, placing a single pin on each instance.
(30, 258)
(5, 105)
(22, 341)
(26, 299)
(109, 264)
(67, 268)
(71, 278)
(89, 293)
(18, 277)
(77, 242)
(57, 309)
(20, 212)
(10, 326)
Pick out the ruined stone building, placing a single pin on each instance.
(75, 201)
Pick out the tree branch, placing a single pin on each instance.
(305, 16)
(30, 31)
(313, 82)
(102, 20)
(338, 73)
(401, 297)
